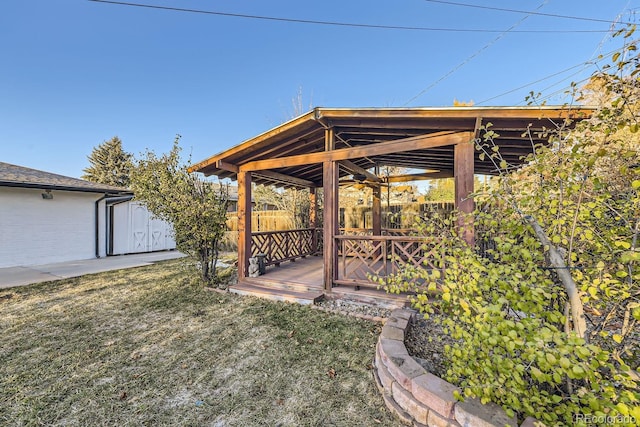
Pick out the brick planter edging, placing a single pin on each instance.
(420, 398)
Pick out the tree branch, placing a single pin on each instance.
(557, 261)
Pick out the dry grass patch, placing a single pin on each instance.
(149, 346)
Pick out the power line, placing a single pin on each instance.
(529, 84)
(565, 89)
(478, 52)
(334, 23)
(553, 15)
(584, 65)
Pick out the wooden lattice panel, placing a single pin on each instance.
(361, 257)
(279, 246)
(417, 254)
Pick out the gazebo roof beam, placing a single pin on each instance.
(355, 169)
(225, 166)
(421, 176)
(405, 144)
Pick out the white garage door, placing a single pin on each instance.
(136, 230)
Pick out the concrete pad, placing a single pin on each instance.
(26, 275)
(20, 276)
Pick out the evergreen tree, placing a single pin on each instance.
(110, 164)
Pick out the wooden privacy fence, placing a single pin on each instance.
(280, 246)
(395, 216)
(360, 257)
(263, 220)
(260, 221)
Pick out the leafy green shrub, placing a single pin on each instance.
(507, 313)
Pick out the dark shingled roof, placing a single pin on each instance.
(19, 176)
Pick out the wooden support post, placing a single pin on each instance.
(376, 210)
(330, 214)
(244, 223)
(313, 218)
(376, 214)
(463, 169)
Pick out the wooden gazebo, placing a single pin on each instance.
(325, 145)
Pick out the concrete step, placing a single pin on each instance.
(304, 298)
(265, 282)
(364, 295)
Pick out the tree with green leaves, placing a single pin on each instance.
(443, 190)
(545, 321)
(110, 164)
(196, 208)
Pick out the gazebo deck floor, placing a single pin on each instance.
(302, 282)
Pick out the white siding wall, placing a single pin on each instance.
(36, 231)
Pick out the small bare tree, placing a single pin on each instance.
(196, 208)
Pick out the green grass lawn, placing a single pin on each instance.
(149, 346)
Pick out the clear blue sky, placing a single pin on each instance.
(75, 73)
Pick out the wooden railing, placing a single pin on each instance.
(385, 231)
(362, 257)
(287, 245)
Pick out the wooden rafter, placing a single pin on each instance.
(285, 179)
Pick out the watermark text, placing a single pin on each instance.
(590, 419)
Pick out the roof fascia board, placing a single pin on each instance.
(62, 188)
(531, 112)
(254, 142)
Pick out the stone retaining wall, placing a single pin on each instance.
(418, 397)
